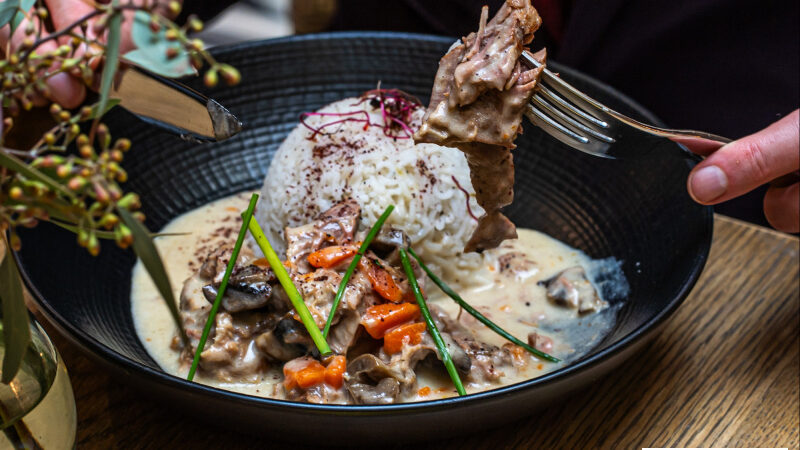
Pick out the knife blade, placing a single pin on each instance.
(174, 107)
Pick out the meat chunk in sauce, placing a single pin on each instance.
(479, 95)
(487, 362)
(572, 289)
(336, 226)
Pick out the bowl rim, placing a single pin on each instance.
(105, 355)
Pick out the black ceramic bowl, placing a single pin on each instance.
(635, 210)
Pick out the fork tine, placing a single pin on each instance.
(577, 121)
(575, 96)
(561, 131)
(578, 113)
(554, 128)
(568, 121)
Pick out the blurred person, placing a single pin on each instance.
(729, 67)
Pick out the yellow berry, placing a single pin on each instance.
(76, 183)
(195, 24)
(174, 8)
(211, 78)
(230, 74)
(93, 245)
(123, 144)
(15, 193)
(171, 34)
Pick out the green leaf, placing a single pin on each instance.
(7, 10)
(151, 50)
(13, 163)
(112, 57)
(25, 5)
(146, 250)
(16, 333)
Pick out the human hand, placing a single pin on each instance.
(68, 89)
(752, 161)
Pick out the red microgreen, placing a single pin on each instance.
(466, 194)
(397, 109)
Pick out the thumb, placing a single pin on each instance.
(745, 164)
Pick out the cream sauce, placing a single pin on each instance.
(513, 300)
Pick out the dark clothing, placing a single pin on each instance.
(729, 67)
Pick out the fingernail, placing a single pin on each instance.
(708, 184)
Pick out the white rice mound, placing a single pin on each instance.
(308, 176)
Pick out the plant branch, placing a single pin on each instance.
(68, 29)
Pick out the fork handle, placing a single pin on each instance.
(700, 144)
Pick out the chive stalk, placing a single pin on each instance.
(288, 285)
(426, 314)
(353, 264)
(474, 313)
(221, 291)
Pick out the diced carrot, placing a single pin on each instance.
(312, 376)
(261, 262)
(424, 392)
(331, 256)
(381, 280)
(409, 333)
(379, 318)
(334, 373)
(409, 296)
(303, 373)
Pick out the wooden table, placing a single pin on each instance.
(724, 372)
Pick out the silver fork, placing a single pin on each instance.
(585, 124)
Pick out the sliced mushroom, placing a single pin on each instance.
(291, 331)
(249, 288)
(371, 382)
(386, 243)
(384, 393)
(234, 300)
(287, 341)
(571, 288)
(253, 279)
(273, 347)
